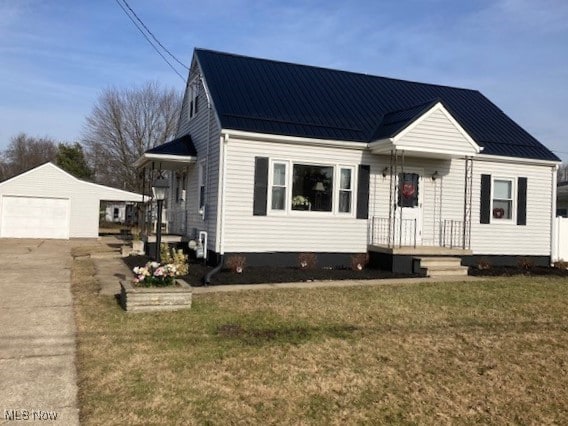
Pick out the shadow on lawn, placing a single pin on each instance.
(288, 334)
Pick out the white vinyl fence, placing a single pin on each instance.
(560, 240)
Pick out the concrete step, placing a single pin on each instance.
(443, 266)
(462, 271)
(442, 262)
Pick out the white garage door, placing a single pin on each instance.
(29, 217)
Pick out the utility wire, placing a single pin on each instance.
(149, 41)
(154, 37)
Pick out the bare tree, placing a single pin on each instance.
(125, 123)
(24, 153)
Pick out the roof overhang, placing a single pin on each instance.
(417, 137)
(164, 161)
(295, 140)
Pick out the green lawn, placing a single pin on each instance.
(479, 352)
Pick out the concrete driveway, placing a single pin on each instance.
(37, 332)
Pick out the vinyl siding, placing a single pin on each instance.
(185, 217)
(298, 231)
(436, 132)
(532, 239)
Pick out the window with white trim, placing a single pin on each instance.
(202, 183)
(279, 185)
(345, 190)
(298, 187)
(193, 96)
(502, 200)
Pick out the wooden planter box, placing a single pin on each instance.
(155, 299)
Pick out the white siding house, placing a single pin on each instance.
(47, 202)
(274, 159)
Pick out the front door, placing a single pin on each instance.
(409, 208)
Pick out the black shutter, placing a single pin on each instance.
(363, 192)
(522, 201)
(260, 186)
(485, 207)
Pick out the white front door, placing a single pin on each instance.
(409, 208)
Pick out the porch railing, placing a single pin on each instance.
(397, 233)
(393, 232)
(452, 233)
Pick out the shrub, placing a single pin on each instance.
(307, 260)
(483, 264)
(236, 263)
(177, 258)
(525, 264)
(359, 261)
(560, 264)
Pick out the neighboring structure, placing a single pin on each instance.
(273, 159)
(120, 212)
(47, 202)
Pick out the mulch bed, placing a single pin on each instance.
(509, 271)
(271, 274)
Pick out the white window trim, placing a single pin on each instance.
(201, 181)
(271, 183)
(193, 92)
(288, 211)
(513, 219)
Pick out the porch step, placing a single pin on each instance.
(443, 266)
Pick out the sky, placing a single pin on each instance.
(58, 56)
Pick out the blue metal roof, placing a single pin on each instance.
(266, 96)
(181, 146)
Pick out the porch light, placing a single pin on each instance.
(435, 175)
(159, 189)
(385, 171)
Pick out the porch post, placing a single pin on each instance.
(398, 195)
(467, 200)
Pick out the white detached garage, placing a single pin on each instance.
(47, 202)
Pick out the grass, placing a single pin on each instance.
(492, 352)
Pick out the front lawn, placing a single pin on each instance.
(479, 352)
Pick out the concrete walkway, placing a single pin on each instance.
(37, 333)
(341, 283)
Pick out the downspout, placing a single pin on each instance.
(553, 234)
(221, 235)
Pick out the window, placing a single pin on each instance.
(312, 188)
(502, 208)
(193, 96)
(279, 179)
(345, 190)
(408, 190)
(202, 179)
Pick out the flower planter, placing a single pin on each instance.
(155, 299)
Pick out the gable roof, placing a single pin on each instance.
(51, 171)
(266, 96)
(180, 146)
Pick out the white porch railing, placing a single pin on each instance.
(401, 232)
(452, 234)
(397, 233)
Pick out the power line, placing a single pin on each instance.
(149, 41)
(154, 37)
